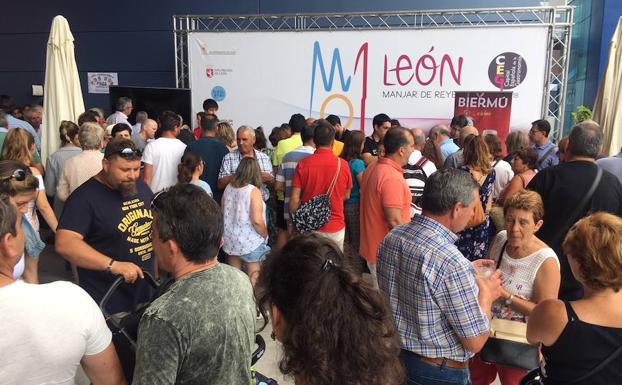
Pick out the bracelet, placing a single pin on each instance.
(109, 267)
(509, 301)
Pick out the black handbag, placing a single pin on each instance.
(507, 344)
(315, 213)
(502, 349)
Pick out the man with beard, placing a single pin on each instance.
(105, 229)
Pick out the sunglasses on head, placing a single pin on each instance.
(19, 175)
(126, 153)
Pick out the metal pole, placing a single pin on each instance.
(176, 57)
(546, 99)
(568, 38)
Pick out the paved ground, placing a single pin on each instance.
(52, 268)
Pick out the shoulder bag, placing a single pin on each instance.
(479, 212)
(315, 213)
(580, 208)
(546, 155)
(507, 344)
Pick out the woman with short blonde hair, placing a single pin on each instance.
(530, 275)
(226, 134)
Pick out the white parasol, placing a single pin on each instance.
(62, 91)
(608, 106)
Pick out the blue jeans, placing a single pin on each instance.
(421, 373)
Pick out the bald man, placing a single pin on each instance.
(146, 134)
(456, 159)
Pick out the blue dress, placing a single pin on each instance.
(474, 242)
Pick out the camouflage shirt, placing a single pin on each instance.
(201, 331)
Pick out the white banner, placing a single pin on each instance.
(262, 78)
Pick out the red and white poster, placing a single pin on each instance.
(490, 111)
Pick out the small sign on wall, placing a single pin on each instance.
(100, 81)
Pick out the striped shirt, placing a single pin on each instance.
(431, 289)
(416, 172)
(287, 169)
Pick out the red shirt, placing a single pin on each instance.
(314, 175)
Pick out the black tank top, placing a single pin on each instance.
(579, 349)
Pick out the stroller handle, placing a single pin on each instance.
(261, 349)
(115, 285)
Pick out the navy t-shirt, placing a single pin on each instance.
(211, 150)
(119, 228)
(562, 189)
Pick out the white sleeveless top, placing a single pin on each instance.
(18, 270)
(31, 214)
(240, 236)
(519, 275)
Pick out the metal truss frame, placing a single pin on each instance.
(559, 21)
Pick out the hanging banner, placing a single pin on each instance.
(262, 78)
(490, 111)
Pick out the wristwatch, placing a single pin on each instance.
(509, 301)
(109, 267)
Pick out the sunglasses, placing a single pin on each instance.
(126, 153)
(19, 175)
(157, 198)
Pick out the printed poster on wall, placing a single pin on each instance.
(99, 82)
(490, 111)
(262, 78)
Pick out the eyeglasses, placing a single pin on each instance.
(19, 175)
(532, 131)
(126, 153)
(156, 200)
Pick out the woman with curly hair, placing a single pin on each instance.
(474, 240)
(582, 340)
(334, 327)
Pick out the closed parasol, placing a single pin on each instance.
(62, 91)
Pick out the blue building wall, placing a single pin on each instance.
(613, 11)
(135, 39)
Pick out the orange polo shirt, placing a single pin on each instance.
(383, 186)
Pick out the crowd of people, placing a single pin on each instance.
(382, 259)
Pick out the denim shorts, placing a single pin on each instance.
(257, 255)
